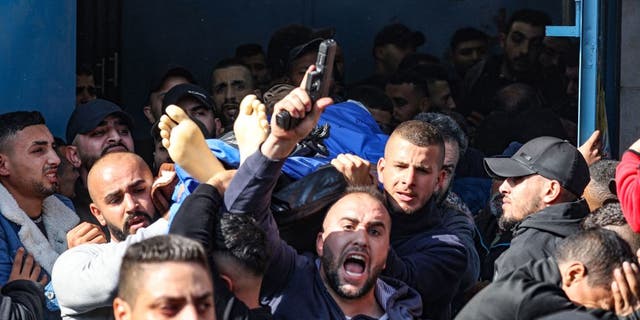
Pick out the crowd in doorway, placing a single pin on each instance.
(430, 189)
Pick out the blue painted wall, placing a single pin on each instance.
(37, 58)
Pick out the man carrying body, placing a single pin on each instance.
(99, 127)
(352, 247)
(30, 215)
(542, 183)
(86, 276)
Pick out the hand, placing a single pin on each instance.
(221, 180)
(83, 233)
(626, 289)
(356, 171)
(281, 142)
(26, 268)
(591, 148)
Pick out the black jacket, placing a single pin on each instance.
(22, 300)
(538, 235)
(196, 219)
(532, 291)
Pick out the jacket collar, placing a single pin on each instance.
(403, 225)
(58, 219)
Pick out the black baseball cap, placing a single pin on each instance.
(88, 116)
(184, 90)
(550, 157)
(299, 51)
(400, 35)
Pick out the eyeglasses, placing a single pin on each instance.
(90, 89)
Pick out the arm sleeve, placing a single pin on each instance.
(196, 217)
(628, 188)
(22, 300)
(250, 193)
(86, 277)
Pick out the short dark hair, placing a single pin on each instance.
(610, 214)
(467, 34)
(529, 16)
(248, 50)
(232, 62)
(602, 172)
(159, 249)
(12, 122)
(412, 77)
(419, 133)
(370, 190)
(447, 127)
(371, 96)
(171, 72)
(239, 237)
(600, 250)
(517, 97)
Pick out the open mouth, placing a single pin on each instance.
(138, 221)
(355, 264)
(405, 196)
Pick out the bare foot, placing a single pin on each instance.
(186, 144)
(251, 127)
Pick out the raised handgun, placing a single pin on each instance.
(317, 84)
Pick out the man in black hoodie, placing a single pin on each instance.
(541, 188)
(593, 271)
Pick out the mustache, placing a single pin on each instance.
(109, 147)
(50, 167)
(135, 214)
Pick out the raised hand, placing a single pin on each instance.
(591, 150)
(356, 171)
(281, 142)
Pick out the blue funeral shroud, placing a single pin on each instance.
(352, 130)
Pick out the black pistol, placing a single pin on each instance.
(317, 84)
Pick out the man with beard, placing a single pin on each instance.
(542, 184)
(30, 215)
(522, 44)
(352, 246)
(86, 276)
(231, 81)
(95, 129)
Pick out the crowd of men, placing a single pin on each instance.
(428, 190)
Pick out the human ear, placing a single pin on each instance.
(552, 192)
(319, 244)
(97, 213)
(71, 153)
(121, 309)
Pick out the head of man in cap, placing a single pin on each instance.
(392, 44)
(197, 103)
(545, 171)
(97, 128)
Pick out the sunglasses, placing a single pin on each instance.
(92, 90)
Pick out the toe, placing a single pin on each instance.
(176, 113)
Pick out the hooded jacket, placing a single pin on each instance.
(538, 235)
(428, 257)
